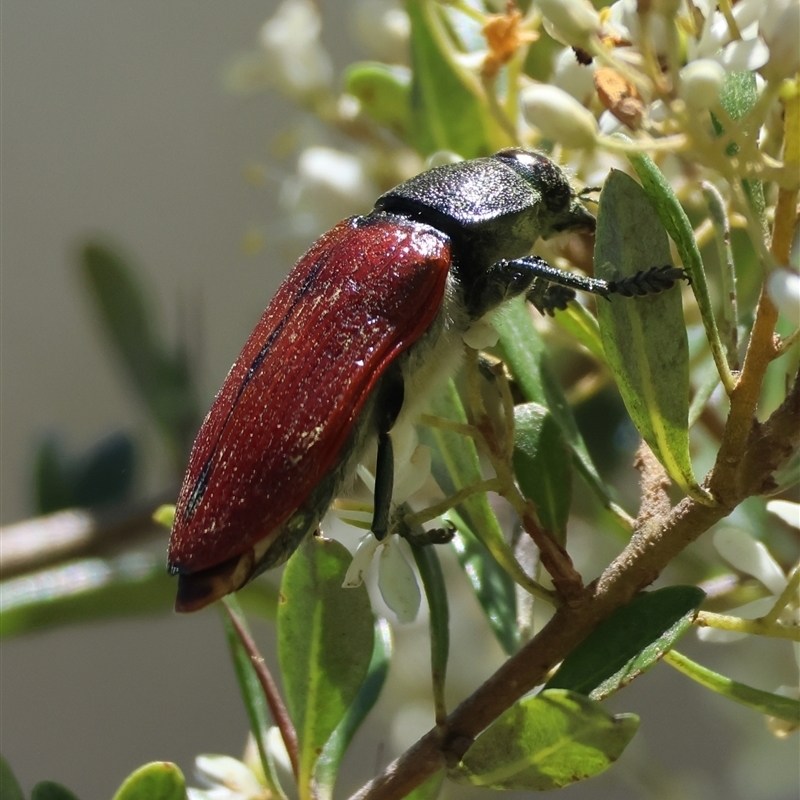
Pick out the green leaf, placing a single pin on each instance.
(89, 589)
(332, 754)
(680, 230)
(546, 742)
(492, 585)
(9, 788)
(579, 323)
(447, 109)
(543, 466)
(629, 642)
(162, 379)
(325, 643)
(525, 354)
(159, 780)
(50, 790)
(430, 571)
(255, 702)
(774, 705)
(384, 92)
(482, 549)
(645, 337)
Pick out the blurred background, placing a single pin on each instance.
(116, 123)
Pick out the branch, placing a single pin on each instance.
(656, 541)
(36, 542)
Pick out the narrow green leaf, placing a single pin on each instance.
(774, 705)
(159, 780)
(332, 754)
(679, 228)
(79, 591)
(546, 742)
(492, 585)
(543, 466)
(325, 643)
(50, 790)
(455, 465)
(578, 322)
(162, 379)
(447, 110)
(645, 337)
(629, 642)
(430, 571)
(255, 702)
(525, 354)
(384, 93)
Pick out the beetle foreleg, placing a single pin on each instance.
(390, 401)
(549, 288)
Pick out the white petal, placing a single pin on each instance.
(411, 476)
(789, 512)
(744, 55)
(276, 751)
(227, 772)
(365, 552)
(746, 554)
(573, 77)
(398, 583)
(480, 335)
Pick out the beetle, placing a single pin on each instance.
(368, 323)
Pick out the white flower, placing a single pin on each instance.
(559, 116)
(329, 185)
(574, 78)
(383, 27)
(226, 779)
(625, 18)
(299, 64)
(747, 555)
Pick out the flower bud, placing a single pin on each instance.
(572, 21)
(701, 83)
(783, 287)
(559, 116)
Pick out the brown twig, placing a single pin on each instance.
(77, 532)
(650, 549)
(273, 696)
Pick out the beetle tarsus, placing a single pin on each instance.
(648, 281)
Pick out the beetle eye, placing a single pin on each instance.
(544, 175)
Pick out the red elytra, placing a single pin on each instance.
(362, 294)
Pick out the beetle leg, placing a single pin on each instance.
(390, 401)
(549, 288)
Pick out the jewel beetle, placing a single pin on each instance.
(366, 325)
